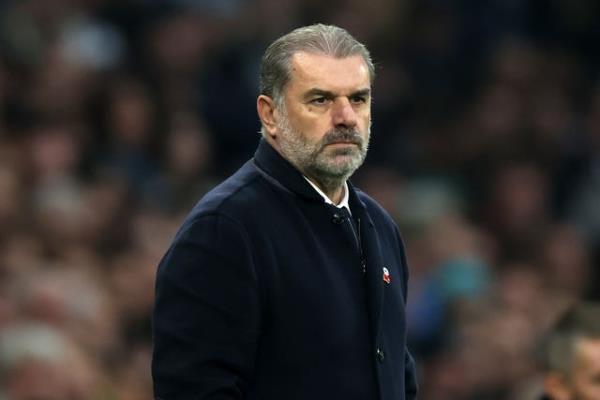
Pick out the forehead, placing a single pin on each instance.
(310, 70)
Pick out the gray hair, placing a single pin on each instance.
(330, 40)
(581, 322)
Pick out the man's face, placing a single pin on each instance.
(324, 126)
(585, 377)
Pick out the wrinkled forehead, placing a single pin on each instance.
(328, 72)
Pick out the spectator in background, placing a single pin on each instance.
(40, 362)
(131, 120)
(573, 355)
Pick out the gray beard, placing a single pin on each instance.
(315, 162)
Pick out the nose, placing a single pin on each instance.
(343, 114)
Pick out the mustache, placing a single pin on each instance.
(342, 135)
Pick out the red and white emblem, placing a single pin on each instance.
(386, 275)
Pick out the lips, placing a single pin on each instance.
(343, 142)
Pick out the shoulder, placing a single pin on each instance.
(236, 196)
(219, 218)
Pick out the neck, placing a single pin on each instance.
(333, 188)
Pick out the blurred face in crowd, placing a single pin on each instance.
(323, 125)
(583, 381)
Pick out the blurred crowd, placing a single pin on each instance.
(116, 116)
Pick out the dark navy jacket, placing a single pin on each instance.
(262, 295)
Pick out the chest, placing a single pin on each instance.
(312, 269)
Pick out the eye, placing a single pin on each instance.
(358, 99)
(319, 100)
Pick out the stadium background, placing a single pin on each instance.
(115, 116)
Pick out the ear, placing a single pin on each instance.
(267, 114)
(556, 387)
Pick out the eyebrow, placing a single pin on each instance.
(330, 95)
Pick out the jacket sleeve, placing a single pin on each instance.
(410, 370)
(410, 377)
(206, 316)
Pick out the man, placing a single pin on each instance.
(573, 355)
(286, 282)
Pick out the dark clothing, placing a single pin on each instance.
(264, 294)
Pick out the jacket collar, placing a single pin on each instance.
(282, 173)
(270, 162)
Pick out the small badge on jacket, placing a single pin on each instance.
(386, 275)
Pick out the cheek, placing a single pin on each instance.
(365, 120)
(314, 131)
(312, 125)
